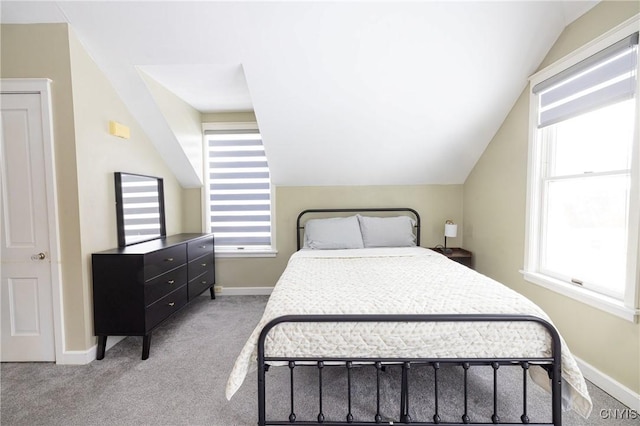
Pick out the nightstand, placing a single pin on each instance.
(457, 254)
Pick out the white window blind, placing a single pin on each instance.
(605, 78)
(239, 189)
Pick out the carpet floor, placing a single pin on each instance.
(183, 382)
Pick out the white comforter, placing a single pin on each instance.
(401, 281)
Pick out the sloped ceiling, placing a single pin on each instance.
(345, 93)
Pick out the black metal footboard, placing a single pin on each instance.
(551, 364)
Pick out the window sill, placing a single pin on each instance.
(598, 301)
(220, 252)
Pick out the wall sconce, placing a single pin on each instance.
(119, 130)
(451, 231)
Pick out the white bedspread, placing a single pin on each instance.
(401, 281)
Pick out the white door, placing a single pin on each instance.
(26, 305)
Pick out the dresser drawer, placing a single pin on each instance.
(201, 265)
(164, 260)
(165, 307)
(200, 247)
(201, 283)
(164, 284)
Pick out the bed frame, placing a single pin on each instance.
(551, 364)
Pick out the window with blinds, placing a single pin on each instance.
(583, 179)
(239, 190)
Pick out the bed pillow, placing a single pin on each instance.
(394, 231)
(333, 233)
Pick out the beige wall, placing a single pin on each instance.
(98, 156)
(435, 203)
(42, 51)
(494, 222)
(86, 157)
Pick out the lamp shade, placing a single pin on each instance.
(450, 230)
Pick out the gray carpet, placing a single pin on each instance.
(183, 381)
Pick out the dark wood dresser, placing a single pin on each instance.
(136, 288)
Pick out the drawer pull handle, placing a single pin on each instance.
(203, 246)
(204, 282)
(203, 264)
(169, 259)
(171, 303)
(171, 281)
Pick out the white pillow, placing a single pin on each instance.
(394, 231)
(333, 233)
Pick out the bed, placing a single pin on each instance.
(361, 293)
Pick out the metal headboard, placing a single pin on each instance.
(300, 228)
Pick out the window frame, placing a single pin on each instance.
(627, 308)
(206, 217)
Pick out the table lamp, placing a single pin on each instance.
(451, 231)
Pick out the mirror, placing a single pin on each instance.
(139, 208)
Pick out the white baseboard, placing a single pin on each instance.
(77, 357)
(242, 291)
(611, 386)
(85, 357)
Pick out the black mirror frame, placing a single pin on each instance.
(122, 238)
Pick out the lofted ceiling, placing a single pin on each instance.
(345, 93)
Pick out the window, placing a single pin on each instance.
(582, 225)
(238, 189)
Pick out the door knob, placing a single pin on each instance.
(39, 256)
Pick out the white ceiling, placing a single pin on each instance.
(345, 93)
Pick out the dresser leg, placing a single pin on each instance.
(102, 345)
(146, 345)
(213, 293)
